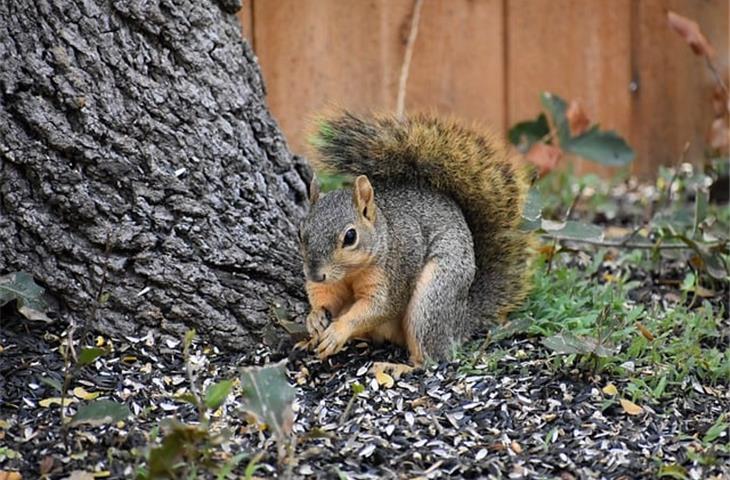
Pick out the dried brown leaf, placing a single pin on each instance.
(719, 135)
(645, 332)
(630, 407)
(544, 157)
(690, 32)
(578, 121)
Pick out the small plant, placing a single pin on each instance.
(189, 449)
(568, 130)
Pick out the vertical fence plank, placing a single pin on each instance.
(245, 16)
(458, 64)
(578, 49)
(672, 105)
(319, 53)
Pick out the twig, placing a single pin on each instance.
(621, 244)
(95, 308)
(566, 217)
(716, 74)
(406, 66)
(69, 354)
(677, 168)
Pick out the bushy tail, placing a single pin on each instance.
(473, 168)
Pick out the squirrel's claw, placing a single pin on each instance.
(332, 340)
(317, 322)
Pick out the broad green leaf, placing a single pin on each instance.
(269, 396)
(572, 230)
(566, 343)
(510, 329)
(524, 134)
(557, 107)
(604, 147)
(21, 287)
(100, 412)
(89, 354)
(672, 471)
(532, 212)
(217, 394)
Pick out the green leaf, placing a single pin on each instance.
(702, 199)
(532, 212)
(269, 396)
(21, 287)
(218, 393)
(51, 382)
(714, 432)
(252, 466)
(100, 412)
(228, 467)
(604, 147)
(89, 354)
(524, 134)
(357, 388)
(188, 340)
(567, 344)
(673, 471)
(572, 230)
(557, 107)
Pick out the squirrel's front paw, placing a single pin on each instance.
(317, 320)
(333, 339)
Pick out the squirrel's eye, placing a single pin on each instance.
(350, 237)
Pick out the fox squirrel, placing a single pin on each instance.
(425, 248)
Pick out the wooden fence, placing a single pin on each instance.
(488, 60)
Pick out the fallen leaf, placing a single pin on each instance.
(81, 393)
(47, 402)
(610, 389)
(544, 157)
(690, 32)
(718, 136)
(630, 407)
(578, 121)
(80, 475)
(384, 379)
(10, 475)
(46, 465)
(645, 332)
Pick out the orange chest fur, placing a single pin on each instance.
(362, 284)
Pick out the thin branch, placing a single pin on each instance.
(622, 244)
(400, 108)
(716, 74)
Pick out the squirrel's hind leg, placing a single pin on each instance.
(437, 319)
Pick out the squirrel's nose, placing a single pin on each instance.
(313, 273)
(317, 277)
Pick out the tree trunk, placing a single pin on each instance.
(138, 159)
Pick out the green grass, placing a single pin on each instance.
(685, 343)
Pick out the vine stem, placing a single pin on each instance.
(400, 108)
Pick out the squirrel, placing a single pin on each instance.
(425, 248)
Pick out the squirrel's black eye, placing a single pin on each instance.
(350, 237)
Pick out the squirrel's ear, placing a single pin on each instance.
(313, 191)
(364, 197)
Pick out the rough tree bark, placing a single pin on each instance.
(136, 150)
